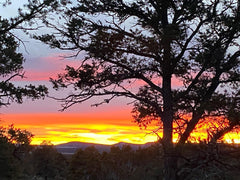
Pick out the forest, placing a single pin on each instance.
(22, 161)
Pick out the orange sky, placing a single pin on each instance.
(95, 128)
(103, 128)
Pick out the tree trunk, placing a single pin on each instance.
(170, 166)
(170, 156)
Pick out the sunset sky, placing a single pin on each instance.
(106, 124)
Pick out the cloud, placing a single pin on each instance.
(103, 129)
(59, 128)
(42, 68)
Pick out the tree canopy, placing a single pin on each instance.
(14, 144)
(177, 60)
(11, 61)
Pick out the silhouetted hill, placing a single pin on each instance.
(72, 147)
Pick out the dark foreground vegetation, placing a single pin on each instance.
(44, 162)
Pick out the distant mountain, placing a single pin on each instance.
(72, 147)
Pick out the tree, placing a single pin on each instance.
(139, 49)
(47, 163)
(85, 164)
(118, 163)
(11, 60)
(14, 143)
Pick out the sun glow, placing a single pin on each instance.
(104, 129)
(110, 135)
(62, 128)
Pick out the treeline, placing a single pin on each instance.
(44, 162)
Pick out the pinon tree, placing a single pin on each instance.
(12, 154)
(11, 61)
(140, 49)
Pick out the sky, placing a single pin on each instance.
(106, 124)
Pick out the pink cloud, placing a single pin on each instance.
(41, 69)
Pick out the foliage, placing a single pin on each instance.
(85, 164)
(11, 64)
(48, 163)
(198, 162)
(125, 163)
(14, 145)
(204, 161)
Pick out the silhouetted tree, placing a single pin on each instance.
(177, 60)
(11, 60)
(125, 163)
(118, 163)
(148, 162)
(48, 163)
(14, 144)
(85, 164)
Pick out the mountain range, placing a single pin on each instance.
(72, 147)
